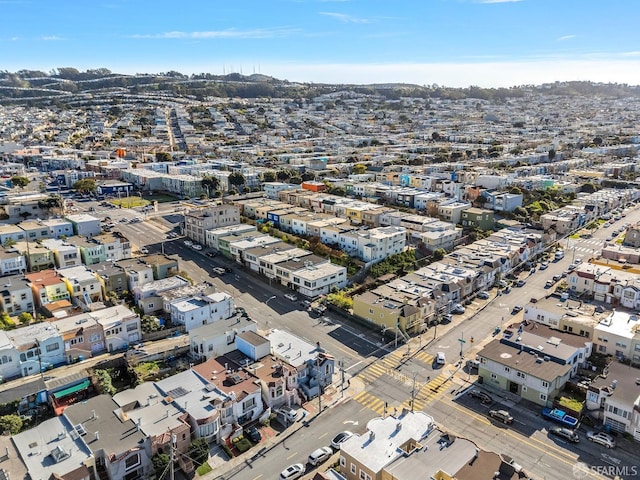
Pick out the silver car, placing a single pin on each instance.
(602, 438)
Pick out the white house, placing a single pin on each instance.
(64, 254)
(41, 347)
(219, 338)
(58, 227)
(84, 224)
(201, 309)
(120, 325)
(9, 358)
(12, 262)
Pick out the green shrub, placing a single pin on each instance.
(203, 469)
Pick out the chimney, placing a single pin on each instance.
(97, 434)
(372, 435)
(93, 414)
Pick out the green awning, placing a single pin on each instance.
(70, 390)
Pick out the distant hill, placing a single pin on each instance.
(37, 87)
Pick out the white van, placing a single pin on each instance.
(440, 358)
(559, 255)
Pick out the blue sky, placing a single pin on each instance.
(448, 42)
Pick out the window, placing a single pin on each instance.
(343, 461)
(545, 384)
(508, 370)
(494, 376)
(53, 347)
(353, 468)
(521, 375)
(132, 462)
(543, 397)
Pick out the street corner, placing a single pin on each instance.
(355, 386)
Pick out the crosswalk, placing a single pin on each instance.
(422, 398)
(381, 367)
(427, 393)
(389, 366)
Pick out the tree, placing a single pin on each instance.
(199, 451)
(25, 215)
(359, 168)
(19, 181)
(160, 463)
(5, 321)
(589, 188)
(104, 382)
(597, 141)
(149, 323)
(552, 155)
(85, 185)
(237, 179)
(210, 184)
(269, 176)
(11, 423)
(25, 317)
(439, 253)
(283, 175)
(163, 157)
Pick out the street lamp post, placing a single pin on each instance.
(269, 299)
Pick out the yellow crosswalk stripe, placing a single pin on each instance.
(424, 357)
(371, 402)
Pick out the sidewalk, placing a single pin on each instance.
(331, 398)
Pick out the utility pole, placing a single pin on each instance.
(341, 377)
(396, 342)
(413, 391)
(462, 342)
(319, 386)
(173, 456)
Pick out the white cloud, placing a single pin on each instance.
(344, 18)
(51, 38)
(566, 37)
(225, 34)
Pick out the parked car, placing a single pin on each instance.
(188, 243)
(557, 278)
(520, 283)
(218, 270)
(483, 295)
(320, 455)
(458, 308)
(516, 309)
(291, 296)
(253, 434)
(292, 472)
(549, 284)
(212, 254)
(440, 358)
(485, 398)
(144, 250)
(565, 433)
(289, 414)
(341, 438)
(602, 438)
(195, 246)
(501, 415)
(228, 269)
(506, 290)
(544, 266)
